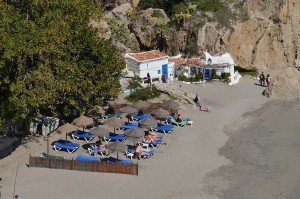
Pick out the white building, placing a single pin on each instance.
(221, 63)
(153, 62)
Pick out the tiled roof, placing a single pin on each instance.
(143, 56)
(185, 61)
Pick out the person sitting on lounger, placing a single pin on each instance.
(179, 118)
(139, 152)
(101, 148)
(150, 138)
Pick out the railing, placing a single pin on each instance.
(105, 167)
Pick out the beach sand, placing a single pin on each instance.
(183, 168)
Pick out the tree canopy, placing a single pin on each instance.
(51, 60)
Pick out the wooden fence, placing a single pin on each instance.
(105, 167)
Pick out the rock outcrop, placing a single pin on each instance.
(287, 84)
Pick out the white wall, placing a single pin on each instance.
(219, 59)
(152, 67)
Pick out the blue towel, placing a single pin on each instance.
(66, 143)
(140, 117)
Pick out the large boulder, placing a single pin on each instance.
(287, 84)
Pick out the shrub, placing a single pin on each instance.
(143, 94)
(225, 77)
(214, 74)
(134, 83)
(157, 14)
(199, 76)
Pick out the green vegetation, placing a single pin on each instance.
(198, 77)
(244, 71)
(119, 32)
(225, 77)
(214, 74)
(144, 94)
(134, 83)
(51, 60)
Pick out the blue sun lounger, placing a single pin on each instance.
(129, 126)
(140, 117)
(82, 135)
(84, 158)
(115, 137)
(165, 128)
(112, 159)
(65, 145)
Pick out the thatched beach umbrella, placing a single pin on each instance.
(141, 104)
(100, 132)
(129, 110)
(147, 123)
(135, 134)
(161, 113)
(171, 104)
(67, 128)
(83, 121)
(117, 146)
(114, 122)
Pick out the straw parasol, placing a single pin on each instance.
(114, 122)
(135, 134)
(147, 122)
(160, 113)
(83, 121)
(100, 132)
(129, 110)
(67, 128)
(171, 104)
(141, 104)
(117, 146)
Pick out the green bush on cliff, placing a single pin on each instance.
(144, 94)
(119, 32)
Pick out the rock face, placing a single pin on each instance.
(270, 39)
(286, 84)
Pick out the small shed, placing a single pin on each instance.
(221, 63)
(153, 62)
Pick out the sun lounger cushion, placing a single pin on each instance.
(115, 137)
(129, 126)
(83, 135)
(81, 157)
(165, 128)
(66, 145)
(112, 159)
(173, 121)
(140, 117)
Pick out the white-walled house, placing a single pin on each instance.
(221, 63)
(153, 62)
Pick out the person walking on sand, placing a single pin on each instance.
(268, 80)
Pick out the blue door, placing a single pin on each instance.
(206, 73)
(165, 70)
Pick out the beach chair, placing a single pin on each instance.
(129, 126)
(84, 158)
(173, 121)
(112, 159)
(165, 128)
(46, 155)
(106, 116)
(115, 137)
(153, 144)
(94, 152)
(140, 117)
(70, 147)
(82, 135)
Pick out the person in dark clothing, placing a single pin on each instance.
(196, 100)
(148, 78)
(262, 79)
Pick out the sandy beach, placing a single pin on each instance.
(194, 163)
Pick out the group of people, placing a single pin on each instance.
(263, 80)
(201, 106)
(163, 78)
